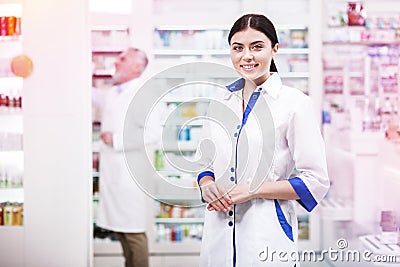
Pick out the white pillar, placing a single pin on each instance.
(57, 134)
(315, 24)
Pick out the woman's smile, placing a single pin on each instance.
(249, 67)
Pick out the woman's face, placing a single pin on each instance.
(251, 54)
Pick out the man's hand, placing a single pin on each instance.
(107, 138)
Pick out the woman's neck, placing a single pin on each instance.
(247, 91)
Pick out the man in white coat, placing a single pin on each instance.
(122, 204)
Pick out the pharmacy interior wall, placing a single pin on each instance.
(57, 134)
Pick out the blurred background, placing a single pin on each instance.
(56, 55)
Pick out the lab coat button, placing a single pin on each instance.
(230, 213)
(235, 135)
(232, 169)
(232, 178)
(230, 223)
(238, 127)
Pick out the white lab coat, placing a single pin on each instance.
(249, 235)
(122, 203)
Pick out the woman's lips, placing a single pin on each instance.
(249, 67)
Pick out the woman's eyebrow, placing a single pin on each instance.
(250, 44)
(257, 42)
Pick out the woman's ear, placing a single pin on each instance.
(275, 48)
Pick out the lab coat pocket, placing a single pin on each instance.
(284, 225)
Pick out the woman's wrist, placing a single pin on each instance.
(264, 191)
(276, 190)
(205, 180)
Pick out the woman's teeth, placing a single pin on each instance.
(249, 67)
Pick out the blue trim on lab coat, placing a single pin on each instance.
(306, 198)
(236, 85)
(250, 106)
(286, 227)
(205, 173)
(201, 175)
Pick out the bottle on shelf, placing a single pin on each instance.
(11, 214)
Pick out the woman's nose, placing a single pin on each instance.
(247, 55)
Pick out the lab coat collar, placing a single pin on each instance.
(271, 86)
(236, 85)
(129, 84)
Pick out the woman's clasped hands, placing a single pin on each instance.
(221, 198)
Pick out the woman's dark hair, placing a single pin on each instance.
(259, 23)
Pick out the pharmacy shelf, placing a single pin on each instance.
(102, 73)
(293, 51)
(15, 38)
(12, 194)
(191, 27)
(173, 173)
(106, 50)
(190, 52)
(374, 244)
(174, 247)
(294, 75)
(178, 220)
(182, 99)
(233, 76)
(96, 146)
(103, 76)
(361, 43)
(180, 146)
(337, 210)
(183, 200)
(219, 52)
(184, 121)
(106, 246)
(196, 76)
(14, 81)
(221, 27)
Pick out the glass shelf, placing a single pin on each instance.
(179, 220)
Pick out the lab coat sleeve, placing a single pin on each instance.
(308, 151)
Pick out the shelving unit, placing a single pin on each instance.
(360, 74)
(176, 44)
(11, 132)
(389, 255)
(107, 43)
(178, 220)
(218, 52)
(11, 116)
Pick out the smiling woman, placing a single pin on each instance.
(250, 196)
(252, 54)
(253, 47)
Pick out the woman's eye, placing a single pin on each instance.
(237, 48)
(257, 46)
